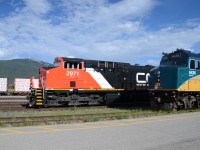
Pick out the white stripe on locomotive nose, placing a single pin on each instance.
(99, 78)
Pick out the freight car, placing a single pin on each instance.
(74, 81)
(175, 83)
(3, 86)
(22, 85)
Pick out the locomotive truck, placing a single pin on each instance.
(175, 83)
(75, 81)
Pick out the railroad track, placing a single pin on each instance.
(23, 108)
(12, 103)
(4, 98)
(18, 107)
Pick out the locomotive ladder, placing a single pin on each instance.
(39, 97)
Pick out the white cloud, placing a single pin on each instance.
(2, 52)
(38, 6)
(91, 29)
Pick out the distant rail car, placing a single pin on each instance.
(3, 86)
(23, 85)
(175, 83)
(74, 81)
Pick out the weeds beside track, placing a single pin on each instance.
(77, 115)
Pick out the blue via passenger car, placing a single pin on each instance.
(175, 83)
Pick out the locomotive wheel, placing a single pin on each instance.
(189, 101)
(197, 104)
(74, 103)
(169, 106)
(153, 104)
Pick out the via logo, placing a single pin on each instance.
(192, 73)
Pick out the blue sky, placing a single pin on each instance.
(134, 31)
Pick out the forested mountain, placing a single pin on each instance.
(20, 68)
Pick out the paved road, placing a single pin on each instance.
(162, 133)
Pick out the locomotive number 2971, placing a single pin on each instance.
(72, 73)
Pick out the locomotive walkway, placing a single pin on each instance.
(161, 132)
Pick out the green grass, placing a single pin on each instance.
(79, 111)
(111, 114)
(10, 91)
(74, 111)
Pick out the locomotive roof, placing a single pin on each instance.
(187, 52)
(72, 59)
(177, 58)
(77, 60)
(190, 54)
(88, 60)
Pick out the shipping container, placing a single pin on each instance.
(21, 85)
(3, 86)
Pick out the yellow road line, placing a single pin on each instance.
(12, 131)
(115, 123)
(48, 128)
(84, 125)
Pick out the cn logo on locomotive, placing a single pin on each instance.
(142, 78)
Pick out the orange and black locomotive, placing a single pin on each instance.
(74, 81)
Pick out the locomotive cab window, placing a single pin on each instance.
(195, 64)
(110, 65)
(68, 65)
(192, 64)
(80, 66)
(56, 64)
(198, 64)
(101, 64)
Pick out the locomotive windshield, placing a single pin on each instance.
(174, 60)
(56, 64)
